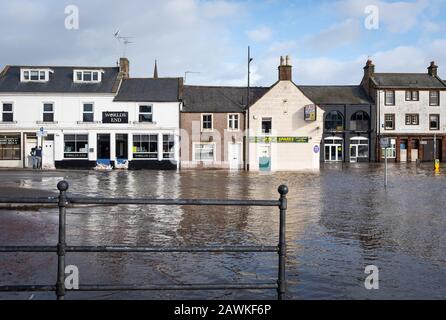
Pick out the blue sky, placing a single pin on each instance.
(327, 40)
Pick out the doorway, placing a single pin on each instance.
(103, 147)
(265, 158)
(359, 149)
(235, 156)
(122, 147)
(334, 149)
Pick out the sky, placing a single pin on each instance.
(328, 41)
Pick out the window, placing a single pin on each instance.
(76, 146)
(391, 152)
(359, 148)
(434, 98)
(390, 98)
(360, 121)
(412, 95)
(389, 122)
(412, 119)
(88, 112)
(334, 121)
(48, 112)
(34, 75)
(204, 152)
(206, 122)
(434, 122)
(168, 146)
(233, 122)
(145, 114)
(8, 113)
(267, 126)
(87, 76)
(145, 146)
(10, 147)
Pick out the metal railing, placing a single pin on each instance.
(62, 248)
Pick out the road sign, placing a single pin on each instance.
(385, 142)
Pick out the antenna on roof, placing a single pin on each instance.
(123, 41)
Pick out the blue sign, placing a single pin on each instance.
(316, 149)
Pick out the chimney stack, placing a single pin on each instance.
(433, 69)
(369, 69)
(285, 69)
(124, 68)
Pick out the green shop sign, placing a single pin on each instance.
(279, 140)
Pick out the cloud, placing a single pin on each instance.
(260, 34)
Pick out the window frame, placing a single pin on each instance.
(430, 98)
(326, 121)
(202, 122)
(231, 122)
(26, 75)
(265, 119)
(393, 121)
(385, 98)
(14, 147)
(438, 122)
(88, 112)
(145, 113)
(149, 135)
(83, 72)
(44, 104)
(411, 118)
(171, 153)
(76, 141)
(411, 94)
(194, 151)
(7, 112)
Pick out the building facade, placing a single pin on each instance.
(285, 128)
(411, 108)
(349, 123)
(88, 117)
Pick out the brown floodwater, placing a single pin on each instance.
(339, 221)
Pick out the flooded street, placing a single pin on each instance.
(339, 221)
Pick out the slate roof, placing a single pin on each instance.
(219, 99)
(149, 90)
(336, 94)
(60, 81)
(407, 80)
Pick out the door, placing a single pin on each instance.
(428, 154)
(122, 149)
(48, 154)
(359, 149)
(235, 156)
(265, 158)
(103, 147)
(334, 150)
(31, 142)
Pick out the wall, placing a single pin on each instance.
(285, 103)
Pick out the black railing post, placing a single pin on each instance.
(61, 246)
(281, 289)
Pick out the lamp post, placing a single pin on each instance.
(248, 118)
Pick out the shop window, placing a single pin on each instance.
(168, 146)
(359, 148)
(360, 121)
(76, 146)
(204, 152)
(434, 98)
(48, 112)
(10, 147)
(434, 122)
(267, 126)
(145, 146)
(8, 113)
(145, 114)
(334, 121)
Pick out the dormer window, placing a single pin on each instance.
(35, 75)
(87, 76)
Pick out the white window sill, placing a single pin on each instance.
(7, 123)
(207, 130)
(88, 123)
(45, 122)
(144, 123)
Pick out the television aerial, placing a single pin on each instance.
(123, 41)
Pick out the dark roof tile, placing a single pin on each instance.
(336, 94)
(149, 90)
(407, 80)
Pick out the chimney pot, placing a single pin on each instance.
(285, 69)
(124, 68)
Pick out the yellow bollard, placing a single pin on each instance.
(437, 166)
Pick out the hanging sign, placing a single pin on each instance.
(310, 112)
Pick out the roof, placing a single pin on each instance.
(60, 81)
(219, 99)
(149, 90)
(336, 94)
(407, 80)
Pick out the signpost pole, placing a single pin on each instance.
(385, 173)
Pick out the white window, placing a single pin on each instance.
(35, 75)
(207, 122)
(234, 122)
(145, 146)
(204, 152)
(48, 112)
(7, 112)
(168, 146)
(434, 98)
(87, 75)
(390, 98)
(88, 112)
(145, 114)
(76, 146)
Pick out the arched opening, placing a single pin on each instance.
(360, 121)
(334, 121)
